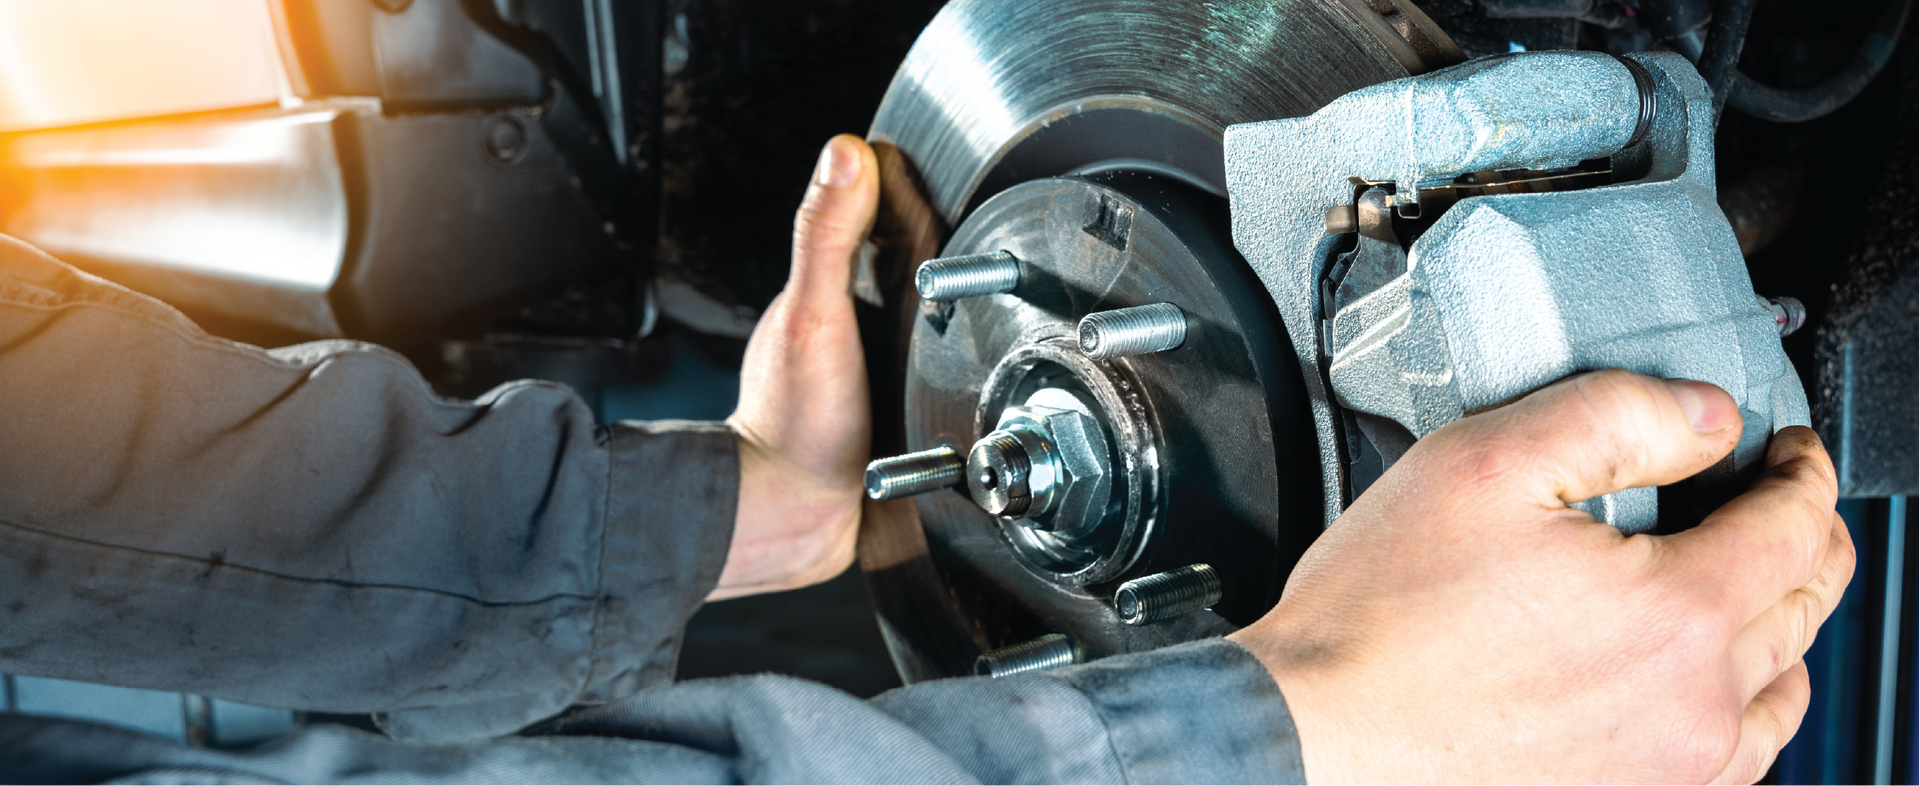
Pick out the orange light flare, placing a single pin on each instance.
(68, 62)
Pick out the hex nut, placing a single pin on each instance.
(1076, 502)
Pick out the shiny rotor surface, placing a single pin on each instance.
(996, 93)
(988, 74)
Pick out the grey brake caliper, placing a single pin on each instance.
(1442, 244)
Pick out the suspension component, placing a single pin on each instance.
(973, 275)
(1133, 331)
(914, 473)
(1164, 596)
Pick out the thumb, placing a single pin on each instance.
(1592, 434)
(834, 219)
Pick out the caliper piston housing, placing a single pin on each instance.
(1504, 293)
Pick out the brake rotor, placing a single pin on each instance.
(1026, 125)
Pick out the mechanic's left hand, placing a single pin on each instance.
(803, 420)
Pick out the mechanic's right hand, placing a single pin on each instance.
(1461, 623)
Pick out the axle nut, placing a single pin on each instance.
(1046, 464)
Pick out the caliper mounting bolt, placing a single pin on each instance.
(1165, 596)
(1133, 331)
(1051, 651)
(1788, 313)
(914, 473)
(973, 275)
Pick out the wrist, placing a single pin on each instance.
(791, 529)
(1302, 669)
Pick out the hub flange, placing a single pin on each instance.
(1084, 473)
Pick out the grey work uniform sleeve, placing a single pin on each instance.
(1204, 712)
(312, 528)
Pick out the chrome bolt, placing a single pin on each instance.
(1788, 313)
(1047, 652)
(1133, 331)
(914, 473)
(973, 275)
(1164, 596)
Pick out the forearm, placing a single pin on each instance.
(313, 528)
(1205, 712)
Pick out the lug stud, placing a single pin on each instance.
(914, 473)
(1164, 596)
(1133, 331)
(1051, 651)
(973, 275)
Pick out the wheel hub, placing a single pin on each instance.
(1051, 131)
(1083, 473)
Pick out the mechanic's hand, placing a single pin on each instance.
(803, 418)
(1461, 623)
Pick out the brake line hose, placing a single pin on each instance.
(1781, 105)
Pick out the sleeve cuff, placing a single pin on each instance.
(673, 487)
(1201, 712)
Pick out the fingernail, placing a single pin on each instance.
(1705, 406)
(839, 166)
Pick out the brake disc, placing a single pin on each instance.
(1085, 138)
